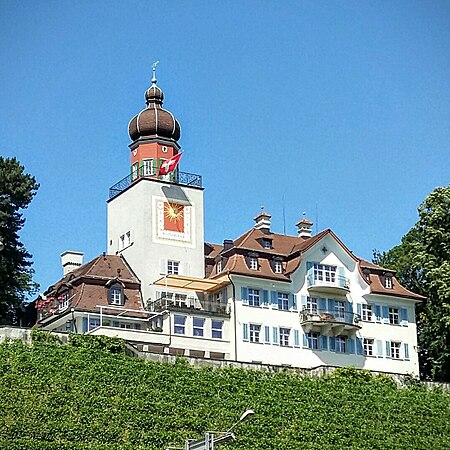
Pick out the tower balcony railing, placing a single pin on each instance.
(183, 178)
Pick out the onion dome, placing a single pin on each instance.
(154, 121)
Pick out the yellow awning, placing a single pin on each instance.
(192, 283)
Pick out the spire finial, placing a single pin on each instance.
(154, 71)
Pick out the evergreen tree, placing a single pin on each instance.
(422, 262)
(17, 189)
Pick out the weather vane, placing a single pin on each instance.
(154, 71)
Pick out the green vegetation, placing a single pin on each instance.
(83, 396)
(422, 262)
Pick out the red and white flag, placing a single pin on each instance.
(169, 165)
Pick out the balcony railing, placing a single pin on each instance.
(327, 318)
(188, 305)
(184, 178)
(336, 283)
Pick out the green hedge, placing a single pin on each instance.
(82, 396)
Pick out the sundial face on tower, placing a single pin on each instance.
(173, 221)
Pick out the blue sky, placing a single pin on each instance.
(337, 106)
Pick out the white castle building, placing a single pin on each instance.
(301, 301)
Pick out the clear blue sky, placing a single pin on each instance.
(339, 105)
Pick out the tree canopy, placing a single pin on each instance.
(422, 262)
(17, 189)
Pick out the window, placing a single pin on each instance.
(173, 267)
(278, 267)
(341, 344)
(180, 325)
(254, 332)
(94, 323)
(267, 243)
(253, 263)
(116, 295)
(148, 167)
(393, 316)
(284, 337)
(219, 266)
(395, 350)
(198, 326)
(180, 300)
(368, 347)
(134, 171)
(253, 297)
(125, 240)
(367, 313)
(63, 301)
(283, 301)
(312, 340)
(324, 273)
(216, 329)
(388, 282)
(339, 308)
(311, 305)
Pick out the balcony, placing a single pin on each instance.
(336, 284)
(189, 305)
(330, 322)
(183, 178)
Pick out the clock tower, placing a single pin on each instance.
(156, 221)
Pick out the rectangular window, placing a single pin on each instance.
(311, 305)
(180, 325)
(173, 267)
(339, 308)
(324, 273)
(283, 301)
(278, 268)
(134, 171)
(93, 323)
(216, 329)
(267, 243)
(368, 347)
(63, 301)
(253, 297)
(393, 316)
(219, 266)
(147, 167)
(253, 263)
(341, 344)
(313, 340)
(116, 296)
(199, 324)
(395, 350)
(254, 332)
(180, 300)
(367, 313)
(284, 337)
(388, 282)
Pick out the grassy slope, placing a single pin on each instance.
(62, 397)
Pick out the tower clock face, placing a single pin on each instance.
(173, 221)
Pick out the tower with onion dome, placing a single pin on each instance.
(156, 221)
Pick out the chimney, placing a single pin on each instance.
(304, 227)
(227, 244)
(262, 221)
(71, 260)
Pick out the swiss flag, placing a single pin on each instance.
(169, 165)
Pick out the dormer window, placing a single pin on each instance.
(267, 243)
(388, 282)
(277, 267)
(253, 263)
(219, 266)
(116, 295)
(63, 301)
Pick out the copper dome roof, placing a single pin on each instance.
(154, 121)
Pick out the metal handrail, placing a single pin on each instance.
(189, 303)
(339, 281)
(327, 315)
(184, 178)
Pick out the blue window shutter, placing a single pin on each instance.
(296, 338)
(265, 298)
(351, 345)
(275, 335)
(331, 305)
(324, 342)
(404, 316)
(378, 313)
(274, 299)
(406, 350)
(379, 347)
(341, 276)
(309, 265)
(244, 295)
(303, 300)
(385, 310)
(245, 331)
(359, 309)
(305, 341)
(332, 343)
(388, 349)
(322, 304)
(310, 272)
(292, 301)
(224, 295)
(85, 324)
(359, 346)
(267, 335)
